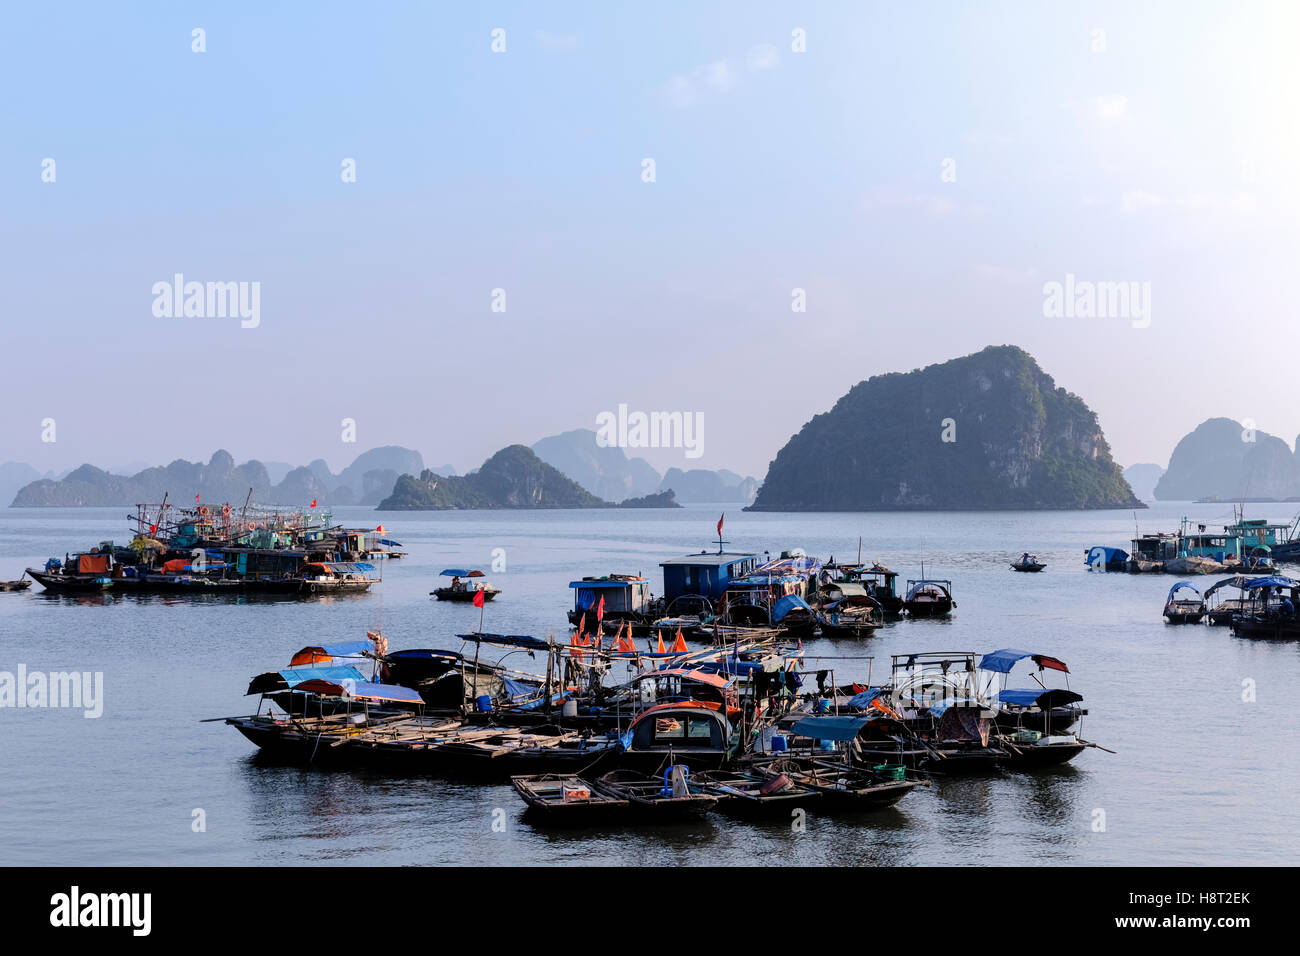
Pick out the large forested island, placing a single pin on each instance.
(986, 431)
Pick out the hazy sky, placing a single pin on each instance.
(1161, 150)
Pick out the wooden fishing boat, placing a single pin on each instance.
(849, 612)
(756, 793)
(459, 592)
(71, 583)
(929, 598)
(658, 800)
(567, 800)
(844, 786)
(1219, 609)
(1272, 610)
(22, 584)
(695, 733)
(1030, 750)
(1184, 610)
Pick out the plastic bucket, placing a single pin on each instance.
(483, 703)
(780, 743)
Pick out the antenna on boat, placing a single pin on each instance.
(859, 549)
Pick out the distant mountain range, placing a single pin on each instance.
(607, 472)
(515, 477)
(1222, 458)
(368, 479)
(981, 432)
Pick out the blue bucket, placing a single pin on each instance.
(483, 703)
(779, 743)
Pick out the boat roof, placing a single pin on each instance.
(830, 728)
(606, 583)
(1273, 582)
(1178, 586)
(460, 573)
(1002, 661)
(706, 559)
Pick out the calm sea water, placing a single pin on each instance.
(1200, 775)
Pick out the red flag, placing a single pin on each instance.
(196, 499)
(600, 610)
(661, 643)
(724, 514)
(582, 622)
(313, 502)
(153, 529)
(478, 597)
(679, 645)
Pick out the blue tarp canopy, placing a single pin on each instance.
(460, 573)
(517, 690)
(730, 666)
(788, 604)
(1002, 661)
(863, 700)
(346, 567)
(1273, 582)
(1105, 556)
(390, 542)
(370, 691)
(421, 654)
(830, 728)
(1028, 696)
(1183, 584)
(604, 584)
(291, 677)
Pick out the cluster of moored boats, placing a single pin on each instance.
(225, 550)
(1265, 606)
(1242, 547)
(738, 726)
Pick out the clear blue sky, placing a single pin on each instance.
(1168, 158)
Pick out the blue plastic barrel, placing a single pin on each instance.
(483, 703)
(779, 743)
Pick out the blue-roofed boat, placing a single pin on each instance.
(627, 603)
(705, 575)
(1271, 611)
(1184, 604)
(928, 597)
(1040, 708)
(776, 594)
(466, 584)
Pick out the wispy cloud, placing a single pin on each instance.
(687, 89)
(557, 42)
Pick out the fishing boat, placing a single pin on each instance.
(658, 800)
(1027, 563)
(846, 787)
(56, 581)
(847, 610)
(775, 594)
(1100, 558)
(1225, 598)
(1032, 750)
(459, 591)
(1182, 609)
(1270, 611)
(1047, 710)
(692, 732)
(618, 601)
(756, 793)
(928, 598)
(22, 584)
(567, 800)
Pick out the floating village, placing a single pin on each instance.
(651, 708)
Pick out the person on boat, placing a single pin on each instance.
(1024, 558)
(1287, 608)
(455, 583)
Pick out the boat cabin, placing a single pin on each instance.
(704, 574)
(625, 595)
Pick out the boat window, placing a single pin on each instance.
(669, 728)
(700, 729)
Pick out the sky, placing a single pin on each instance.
(921, 172)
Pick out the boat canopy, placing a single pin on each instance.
(617, 583)
(713, 679)
(291, 677)
(389, 542)
(422, 654)
(830, 728)
(916, 586)
(509, 640)
(1183, 584)
(363, 690)
(788, 604)
(1238, 582)
(1105, 556)
(1002, 661)
(1031, 696)
(460, 573)
(1273, 582)
(343, 567)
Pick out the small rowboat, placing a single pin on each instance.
(567, 800)
(1030, 564)
(22, 584)
(656, 800)
(756, 793)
